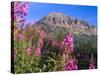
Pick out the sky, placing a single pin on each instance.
(87, 13)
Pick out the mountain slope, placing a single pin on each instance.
(73, 25)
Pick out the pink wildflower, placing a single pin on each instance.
(71, 65)
(40, 43)
(37, 51)
(29, 50)
(20, 26)
(19, 11)
(68, 42)
(20, 36)
(91, 64)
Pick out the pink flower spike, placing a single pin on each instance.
(71, 65)
(37, 51)
(68, 42)
(91, 64)
(20, 36)
(29, 50)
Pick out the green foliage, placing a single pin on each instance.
(30, 63)
(50, 59)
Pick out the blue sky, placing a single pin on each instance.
(87, 13)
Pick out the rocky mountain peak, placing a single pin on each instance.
(73, 24)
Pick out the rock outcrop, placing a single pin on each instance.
(73, 24)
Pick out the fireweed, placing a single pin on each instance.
(37, 51)
(40, 43)
(28, 50)
(70, 65)
(91, 64)
(18, 12)
(69, 62)
(68, 41)
(20, 36)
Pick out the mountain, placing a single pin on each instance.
(58, 21)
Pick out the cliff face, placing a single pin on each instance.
(74, 25)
